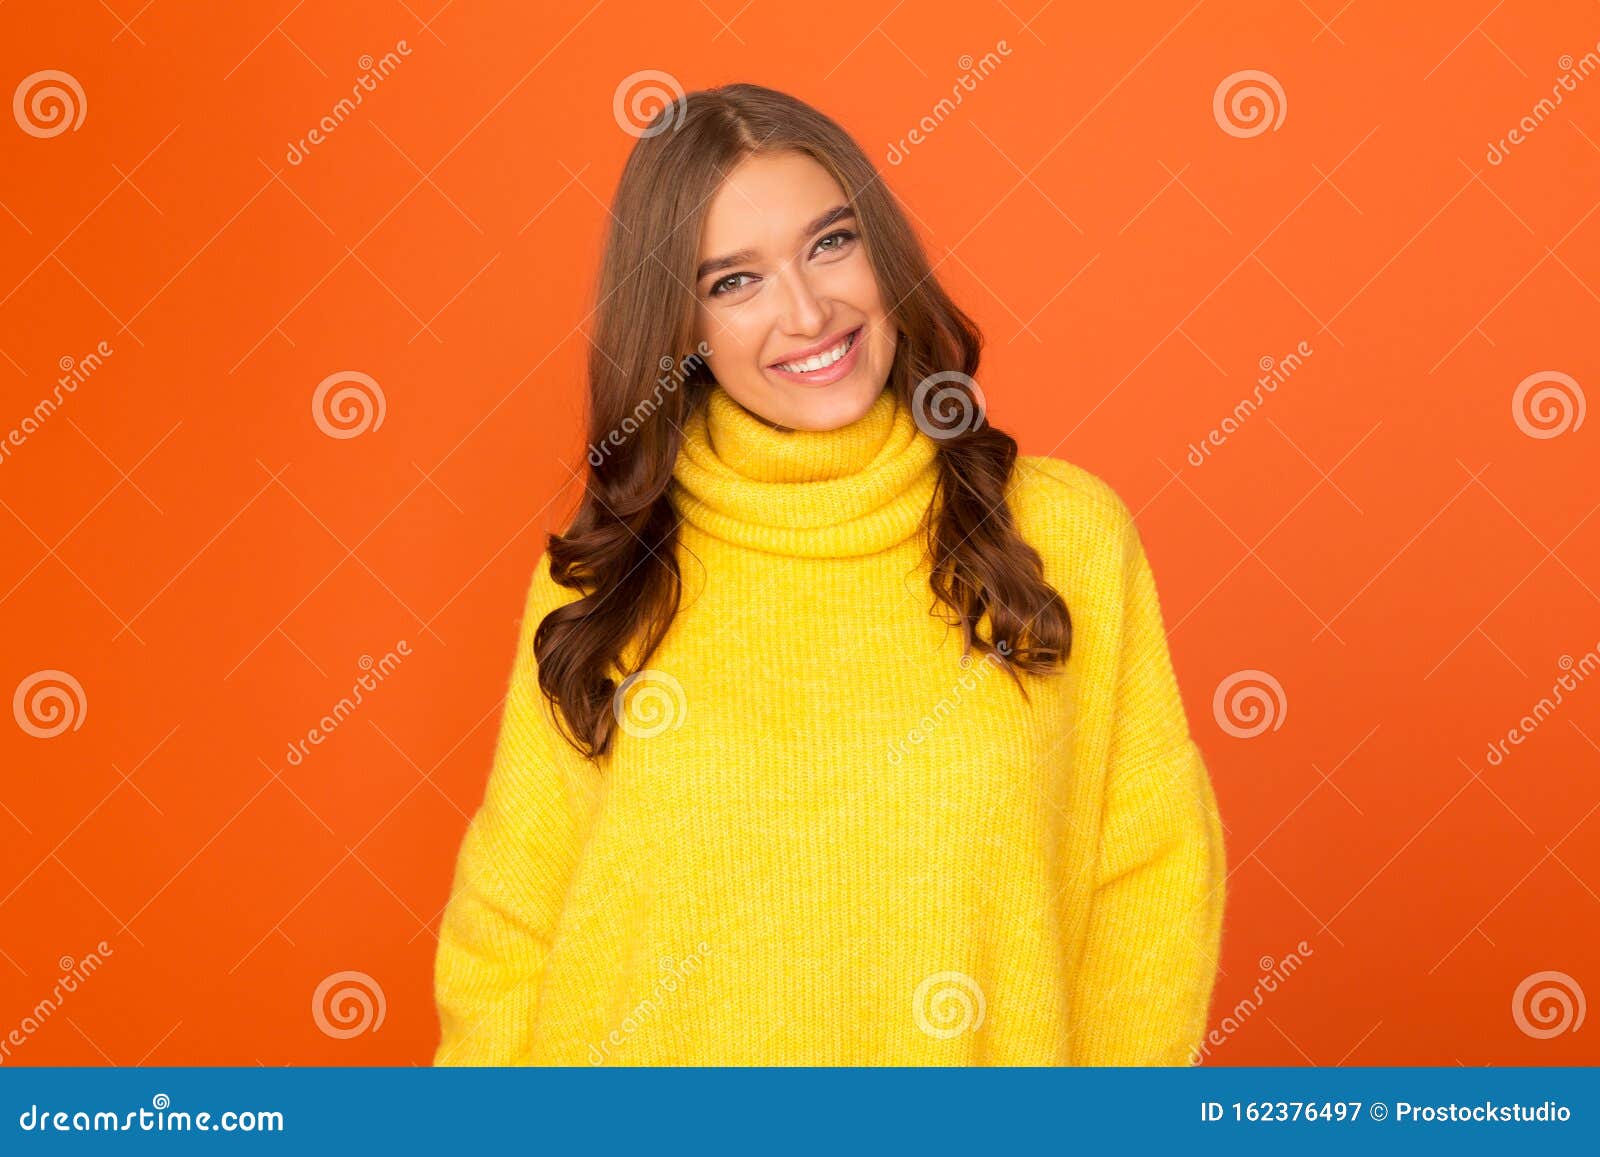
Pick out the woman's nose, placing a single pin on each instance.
(802, 311)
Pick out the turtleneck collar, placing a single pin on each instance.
(854, 490)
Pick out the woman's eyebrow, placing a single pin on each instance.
(727, 261)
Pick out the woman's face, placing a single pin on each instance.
(783, 284)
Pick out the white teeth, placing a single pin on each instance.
(819, 361)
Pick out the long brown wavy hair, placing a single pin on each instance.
(619, 549)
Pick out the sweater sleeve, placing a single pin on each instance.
(1143, 993)
(513, 866)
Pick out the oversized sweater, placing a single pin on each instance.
(822, 836)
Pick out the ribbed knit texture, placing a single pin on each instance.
(822, 835)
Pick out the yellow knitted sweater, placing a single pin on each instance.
(822, 836)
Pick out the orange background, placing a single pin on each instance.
(1381, 536)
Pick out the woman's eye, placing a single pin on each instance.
(717, 290)
(842, 236)
(845, 236)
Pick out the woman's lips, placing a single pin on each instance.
(830, 373)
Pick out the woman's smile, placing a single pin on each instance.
(836, 359)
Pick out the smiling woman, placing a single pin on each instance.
(788, 287)
(760, 793)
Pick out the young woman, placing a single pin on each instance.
(804, 760)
